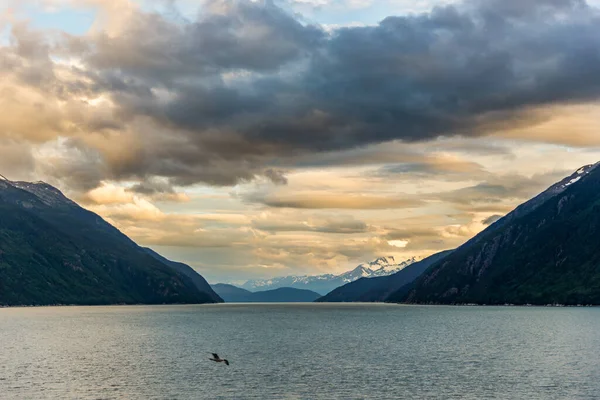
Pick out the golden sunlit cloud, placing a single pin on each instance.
(572, 125)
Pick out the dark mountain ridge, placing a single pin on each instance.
(545, 252)
(188, 271)
(234, 294)
(52, 251)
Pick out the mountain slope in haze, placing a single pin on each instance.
(231, 293)
(188, 271)
(54, 252)
(542, 254)
(234, 294)
(378, 289)
(382, 266)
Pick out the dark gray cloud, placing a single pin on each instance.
(449, 169)
(247, 88)
(81, 169)
(16, 160)
(338, 226)
(151, 187)
(276, 176)
(228, 35)
(492, 219)
(326, 200)
(499, 188)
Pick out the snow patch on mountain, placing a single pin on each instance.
(382, 266)
(45, 192)
(576, 177)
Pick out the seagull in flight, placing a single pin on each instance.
(216, 358)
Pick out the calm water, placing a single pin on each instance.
(309, 351)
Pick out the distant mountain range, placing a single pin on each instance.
(544, 252)
(54, 252)
(323, 284)
(380, 288)
(234, 294)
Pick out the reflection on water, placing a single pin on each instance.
(300, 351)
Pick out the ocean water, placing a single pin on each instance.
(300, 351)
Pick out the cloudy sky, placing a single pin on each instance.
(265, 138)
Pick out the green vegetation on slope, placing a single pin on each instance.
(54, 252)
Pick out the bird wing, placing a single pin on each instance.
(215, 355)
(226, 362)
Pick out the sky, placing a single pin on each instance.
(253, 139)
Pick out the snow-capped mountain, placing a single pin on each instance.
(323, 284)
(48, 194)
(382, 266)
(540, 199)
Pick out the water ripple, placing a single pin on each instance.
(308, 351)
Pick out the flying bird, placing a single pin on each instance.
(216, 358)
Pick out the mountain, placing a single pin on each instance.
(234, 294)
(198, 280)
(379, 288)
(231, 293)
(323, 284)
(52, 251)
(544, 252)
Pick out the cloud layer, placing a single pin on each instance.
(244, 125)
(244, 86)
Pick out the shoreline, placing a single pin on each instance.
(555, 305)
(2, 306)
(305, 303)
